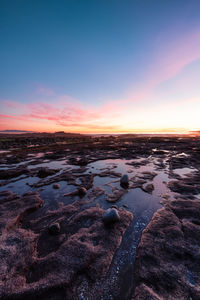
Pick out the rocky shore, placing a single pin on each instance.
(100, 218)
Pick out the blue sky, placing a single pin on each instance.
(98, 54)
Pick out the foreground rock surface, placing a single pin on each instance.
(34, 264)
(168, 264)
(111, 216)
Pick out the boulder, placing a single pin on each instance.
(111, 216)
(82, 191)
(124, 181)
(54, 228)
(56, 186)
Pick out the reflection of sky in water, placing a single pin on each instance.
(143, 200)
(52, 196)
(56, 164)
(47, 192)
(140, 203)
(184, 171)
(20, 186)
(107, 183)
(136, 199)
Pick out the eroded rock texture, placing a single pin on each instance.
(34, 264)
(168, 260)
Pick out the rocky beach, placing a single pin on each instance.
(111, 217)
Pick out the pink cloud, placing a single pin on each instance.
(176, 55)
(18, 117)
(12, 104)
(70, 113)
(60, 114)
(171, 56)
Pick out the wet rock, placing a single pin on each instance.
(56, 186)
(86, 180)
(115, 196)
(13, 208)
(82, 191)
(36, 265)
(184, 187)
(63, 176)
(148, 188)
(44, 172)
(168, 254)
(124, 181)
(147, 175)
(109, 173)
(83, 162)
(54, 228)
(111, 216)
(79, 162)
(12, 173)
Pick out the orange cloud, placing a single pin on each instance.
(120, 118)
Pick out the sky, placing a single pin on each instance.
(100, 66)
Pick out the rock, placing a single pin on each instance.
(148, 188)
(111, 216)
(54, 228)
(124, 181)
(13, 208)
(82, 191)
(82, 162)
(12, 173)
(44, 172)
(167, 263)
(56, 186)
(184, 187)
(37, 265)
(115, 196)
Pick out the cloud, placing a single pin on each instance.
(66, 114)
(170, 57)
(133, 113)
(12, 104)
(108, 118)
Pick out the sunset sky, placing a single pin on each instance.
(100, 66)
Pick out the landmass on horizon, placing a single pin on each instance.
(163, 132)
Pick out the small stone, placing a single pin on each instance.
(83, 162)
(82, 191)
(111, 216)
(148, 188)
(56, 186)
(54, 228)
(124, 181)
